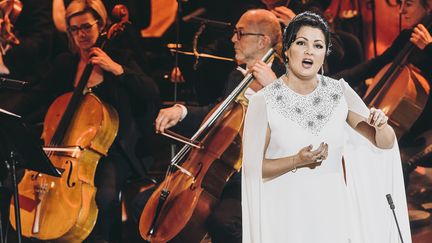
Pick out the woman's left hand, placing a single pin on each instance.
(99, 58)
(377, 118)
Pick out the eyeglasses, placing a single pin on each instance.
(239, 33)
(73, 29)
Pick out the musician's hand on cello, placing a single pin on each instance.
(263, 74)
(421, 36)
(177, 76)
(168, 117)
(99, 58)
(283, 14)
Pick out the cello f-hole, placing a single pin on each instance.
(69, 174)
(200, 166)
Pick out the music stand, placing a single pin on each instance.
(19, 145)
(13, 84)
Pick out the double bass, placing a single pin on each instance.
(78, 130)
(178, 208)
(400, 90)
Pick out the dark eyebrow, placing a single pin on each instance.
(302, 38)
(308, 40)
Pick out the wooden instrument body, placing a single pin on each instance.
(64, 209)
(403, 99)
(183, 215)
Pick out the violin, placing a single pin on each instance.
(178, 208)
(64, 208)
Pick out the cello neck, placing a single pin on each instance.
(75, 100)
(399, 62)
(204, 128)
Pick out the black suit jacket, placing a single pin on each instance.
(133, 94)
(196, 114)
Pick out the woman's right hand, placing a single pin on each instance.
(307, 156)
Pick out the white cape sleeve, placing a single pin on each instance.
(371, 174)
(254, 135)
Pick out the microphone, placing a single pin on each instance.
(390, 201)
(392, 207)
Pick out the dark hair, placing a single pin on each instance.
(304, 19)
(424, 3)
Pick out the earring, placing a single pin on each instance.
(322, 70)
(286, 68)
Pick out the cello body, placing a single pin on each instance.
(182, 217)
(400, 90)
(78, 130)
(178, 209)
(403, 99)
(64, 209)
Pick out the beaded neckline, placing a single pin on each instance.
(311, 111)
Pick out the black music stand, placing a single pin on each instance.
(19, 145)
(13, 84)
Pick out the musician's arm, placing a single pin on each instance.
(370, 68)
(34, 29)
(138, 83)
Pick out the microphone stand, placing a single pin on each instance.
(176, 62)
(1, 224)
(392, 207)
(12, 164)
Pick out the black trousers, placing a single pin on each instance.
(111, 175)
(225, 222)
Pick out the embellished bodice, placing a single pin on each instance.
(296, 121)
(311, 111)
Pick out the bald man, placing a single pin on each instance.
(255, 33)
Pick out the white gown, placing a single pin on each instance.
(315, 205)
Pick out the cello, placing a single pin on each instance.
(78, 130)
(178, 208)
(400, 90)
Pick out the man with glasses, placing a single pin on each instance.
(255, 33)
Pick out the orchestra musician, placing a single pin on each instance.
(255, 33)
(29, 59)
(415, 14)
(118, 81)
